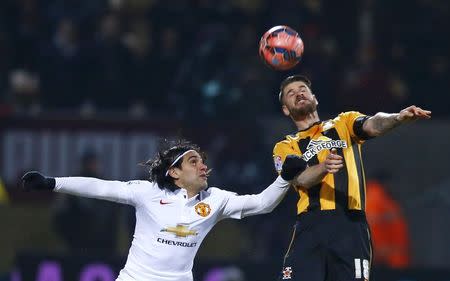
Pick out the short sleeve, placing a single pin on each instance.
(354, 122)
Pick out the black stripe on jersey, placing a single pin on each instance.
(359, 170)
(341, 177)
(358, 128)
(313, 191)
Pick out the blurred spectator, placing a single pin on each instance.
(435, 76)
(368, 84)
(87, 225)
(5, 64)
(388, 227)
(140, 80)
(62, 69)
(170, 53)
(24, 92)
(109, 59)
(147, 56)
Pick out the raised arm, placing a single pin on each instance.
(116, 191)
(264, 202)
(382, 122)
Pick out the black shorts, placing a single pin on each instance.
(329, 246)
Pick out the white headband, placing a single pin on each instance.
(178, 158)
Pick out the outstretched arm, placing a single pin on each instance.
(382, 122)
(269, 198)
(116, 191)
(265, 201)
(81, 186)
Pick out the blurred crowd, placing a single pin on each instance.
(150, 57)
(190, 59)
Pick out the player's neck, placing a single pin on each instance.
(191, 194)
(306, 121)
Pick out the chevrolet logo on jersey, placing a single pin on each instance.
(180, 230)
(317, 145)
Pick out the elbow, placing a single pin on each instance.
(267, 210)
(306, 183)
(268, 207)
(299, 183)
(370, 129)
(372, 132)
(304, 186)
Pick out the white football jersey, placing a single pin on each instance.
(170, 226)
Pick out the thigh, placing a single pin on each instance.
(350, 256)
(305, 258)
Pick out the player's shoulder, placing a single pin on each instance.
(213, 190)
(287, 140)
(217, 192)
(347, 116)
(287, 144)
(143, 186)
(140, 183)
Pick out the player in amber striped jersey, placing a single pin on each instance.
(331, 237)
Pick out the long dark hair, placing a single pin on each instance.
(163, 160)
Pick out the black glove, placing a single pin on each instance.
(292, 166)
(36, 181)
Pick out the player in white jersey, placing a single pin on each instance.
(174, 210)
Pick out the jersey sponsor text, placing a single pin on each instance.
(176, 243)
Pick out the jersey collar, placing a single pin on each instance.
(181, 193)
(312, 125)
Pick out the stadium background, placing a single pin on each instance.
(113, 77)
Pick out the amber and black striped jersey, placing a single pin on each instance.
(343, 190)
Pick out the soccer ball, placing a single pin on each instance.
(281, 47)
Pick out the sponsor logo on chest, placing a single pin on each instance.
(317, 145)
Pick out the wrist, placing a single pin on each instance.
(50, 183)
(292, 166)
(323, 169)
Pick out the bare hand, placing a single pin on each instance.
(334, 162)
(412, 113)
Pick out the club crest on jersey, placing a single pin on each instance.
(287, 272)
(202, 209)
(278, 163)
(321, 143)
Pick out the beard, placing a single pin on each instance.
(300, 112)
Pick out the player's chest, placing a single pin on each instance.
(321, 142)
(178, 211)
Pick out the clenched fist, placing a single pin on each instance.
(36, 181)
(334, 162)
